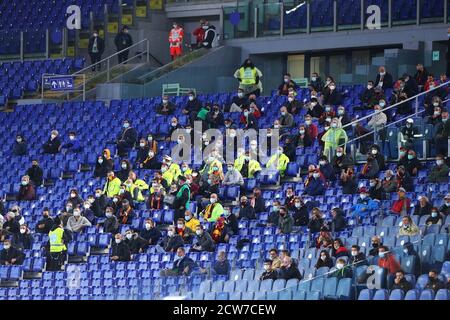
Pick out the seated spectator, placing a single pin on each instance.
(125, 214)
(375, 152)
(326, 169)
(339, 250)
(423, 207)
(327, 115)
(203, 241)
(275, 259)
(20, 146)
(75, 198)
(435, 217)
(404, 180)
(413, 165)
(219, 231)
(248, 119)
(233, 177)
(387, 260)
(125, 168)
(409, 133)
(324, 260)
(110, 224)
(384, 79)
(183, 266)
(53, 144)
(333, 138)
(274, 215)
(401, 283)
(408, 227)
(338, 223)
(357, 258)
(76, 223)
(368, 97)
(150, 233)
(192, 107)
(441, 134)
(370, 169)
(439, 173)
(103, 165)
(26, 190)
(238, 101)
(278, 161)
(293, 105)
(445, 208)
(332, 96)
(184, 231)
(173, 240)
(35, 173)
(436, 116)
(403, 204)
(364, 204)
(288, 83)
(376, 191)
(375, 243)
(246, 211)
(389, 183)
(315, 186)
(285, 221)
(343, 116)
(286, 119)
(324, 240)
(408, 250)
(222, 265)
(269, 271)
(23, 240)
(311, 128)
(126, 139)
(341, 161)
(215, 118)
(288, 270)
(302, 138)
(315, 109)
(349, 181)
(136, 243)
(316, 222)
(300, 212)
(166, 107)
(112, 185)
(11, 225)
(434, 283)
(10, 255)
(44, 225)
(73, 145)
(316, 82)
(378, 120)
(343, 270)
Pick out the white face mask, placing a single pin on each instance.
(53, 136)
(290, 99)
(147, 226)
(191, 98)
(213, 200)
(240, 94)
(129, 236)
(22, 230)
(76, 213)
(297, 204)
(124, 166)
(316, 175)
(179, 226)
(339, 266)
(100, 161)
(170, 233)
(118, 241)
(308, 122)
(87, 206)
(198, 232)
(142, 145)
(266, 267)
(73, 195)
(332, 87)
(108, 214)
(339, 154)
(165, 101)
(6, 247)
(354, 253)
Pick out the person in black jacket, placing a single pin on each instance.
(231, 222)
(258, 203)
(288, 270)
(324, 260)
(268, 273)
(408, 250)
(150, 233)
(192, 107)
(182, 265)
(246, 211)
(126, 139)
(103, 165)
(11, 225)
(316, 221)
(122, 41)
(11, 255)
(96, 47)
(134, 241)
(125, 168)
(203, 242)
(302, 138)
(400, 282)
(20, 146)
(215, 118)
(349, 181)
(316, 82)
(24, 239)
(368, 97)
(357, 258)
(45, 224)
(338, 223)
(384, 79)
(404, 180)
(413, 165)
(142, 152)
(434, 283)
(376, 191)
(423, 207)
(99, 205)
(210, 35)
(53, 144)
(332, 96)
(375, 152)
(300, 213)
(119, 249)
(173, 240)
(110, 224)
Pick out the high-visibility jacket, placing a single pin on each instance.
(56, 240)
(112, 187)
(248, 75)
(187, 172)
(253, 166)
(214, 163)
(279, 162)
(168, 176)
(136, 190)
(175, 170)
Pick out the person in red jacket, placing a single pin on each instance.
(176, 36)
(403, 204)
(199, 33)
(387, 260)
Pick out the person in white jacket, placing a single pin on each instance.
(77, 222)
(378, 120)
(233, 176)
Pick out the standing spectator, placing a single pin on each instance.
(332, 96)
(421, 75)
(53, 144)
(408, 227)
(45, 224)
(57, 246)
(199, 34)
(119, 249)
(126, 139)
(249, 78)
(96, 47)
(20, 146)
(384, 79)
(403, 204)
(123, 40)
(176, 36)
(283, 89)
(335, 137)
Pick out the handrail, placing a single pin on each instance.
(394, 105)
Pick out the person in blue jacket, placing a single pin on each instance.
(364, 204)
(73, 145)
(315, 186)
(326, 169)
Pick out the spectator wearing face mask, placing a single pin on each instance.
(376, 153)
(435, 217)
(125, 168)
(439, 173)
(103, 165)
(445, 208)
(311, 128)
(231, 223)
(338, 223)
(112, 185)
(324, 260)
(332, 96)
(384, 79)
(389, 182)
(75, 198)
(349, 181)
(436, 117)
(368, 97)
(192, 107)
(316, 82)
(233, 176)
(326, 169)
(215, 118)
(421, 75)
(376, 191)
(246, 211)
(238, 101)
(404, 180)
(119, 249)
(408, 227)
(222, 265)
(343, 116)
(315, 109)
(150, 162)
(423, 207)
(341, 161)
(442, 132)
(274, 215)
(247, 166)
(10, 255)
(286, 119)
(45, 224)
(248, 119)
(269, 272)
(409, 133)
(20, 146)
(299, 212)
(166, 107)
(73, 145)
(434, 283)
(343, 270)
(413, 165)
(191, 221)
(302, 138)
(53, 144)
(357, 258)
(288, 83)
(278, 161)
(249, 78)
(327, 115)
(333, 138)
(403, 204)
(23, 240)
(77, 222)
(203, 241)
(370, 169)
(150, 233)
(387, 260)
(142, 152)
(315, 186)
(288, 270)
(35, 173)
(285, 221)
(364, 204)
(378, 120)
(26, 190)
(433, 108)
(213, 210)
(126, 139)
(134, 242)
(316, 222)
(99, 204)
(110, 224)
